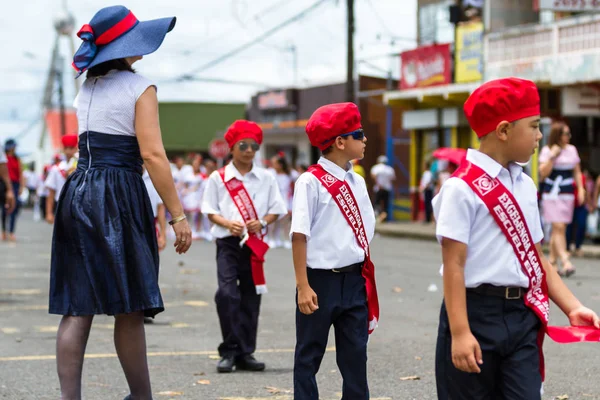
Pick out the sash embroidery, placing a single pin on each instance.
(344, 198)
(507, 213)
(254, 241)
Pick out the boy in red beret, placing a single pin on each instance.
(332, 224)
(241, 200)
(57, 176)
(497, 283)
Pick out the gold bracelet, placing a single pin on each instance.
(176, 220)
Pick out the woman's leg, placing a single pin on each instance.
(558, 233)
(130, 343)
(15, 213)
(71, 340)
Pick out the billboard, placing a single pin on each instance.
(569, 5)
(468, 60)
(426, 66)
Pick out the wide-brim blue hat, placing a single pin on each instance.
(114, 32)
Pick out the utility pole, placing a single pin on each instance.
(350, 56)
(61, 98)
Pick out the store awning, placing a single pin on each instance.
(431, 97)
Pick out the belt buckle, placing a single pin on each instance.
(509, 297)
(335, 270)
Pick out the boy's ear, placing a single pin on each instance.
(502, 130)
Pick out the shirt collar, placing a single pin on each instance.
(335, 169)
(232, 172)
(491, 166)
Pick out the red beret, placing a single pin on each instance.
(242, 129)
(70, 140)
(508, 99)
(331, 121)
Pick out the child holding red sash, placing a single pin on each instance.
(333, 222)
(241, 200)
(497, 284)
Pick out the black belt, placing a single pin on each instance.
(507, 292)
(350, 268)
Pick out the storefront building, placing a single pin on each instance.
(561, 56)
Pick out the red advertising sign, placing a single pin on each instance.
(218, 148)
(426, 66)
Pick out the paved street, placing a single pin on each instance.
(183, 340)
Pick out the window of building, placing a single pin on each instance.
(434, 23)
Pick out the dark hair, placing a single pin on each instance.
(556, 132)
(327, 150)
(284, 164)
(120, 64)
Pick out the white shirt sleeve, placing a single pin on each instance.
(210, 200)
(276, 204)
(3, 159)
(454, 210)
(304, 206)
(51, 180)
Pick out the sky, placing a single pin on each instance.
(205, 30)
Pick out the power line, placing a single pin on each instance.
(225, 81)
(376, 14)
(247, 45)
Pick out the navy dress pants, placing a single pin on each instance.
(238, 305)
(342, 303)
(507, 334)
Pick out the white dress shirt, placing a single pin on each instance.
(331, 242)
(56, 176)
(261, 187)
(461, 215)
(384, 176)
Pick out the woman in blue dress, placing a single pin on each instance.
(104, 248)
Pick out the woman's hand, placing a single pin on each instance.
(183, 236)
(555, 150)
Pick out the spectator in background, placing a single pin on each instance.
(15, 175)
(426, 188)
(279, 234)
(560, 170)
(444, 174)
(577, 228)
(31, 183)
(384, 176)
(7, 197)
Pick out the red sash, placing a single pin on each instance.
(242, 200)
(344, 198)
(505, 210)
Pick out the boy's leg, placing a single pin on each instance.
(487, 325)
(351, 336)
(312, 332)
(520, 369)
(249, 306)
(228, 296)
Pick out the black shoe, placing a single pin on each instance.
(226, 364)
(249, 363)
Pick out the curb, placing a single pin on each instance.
(390, 231)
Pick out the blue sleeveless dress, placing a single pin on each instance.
(104, 247)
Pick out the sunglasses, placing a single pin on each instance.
(243, 146)
(358, 134)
